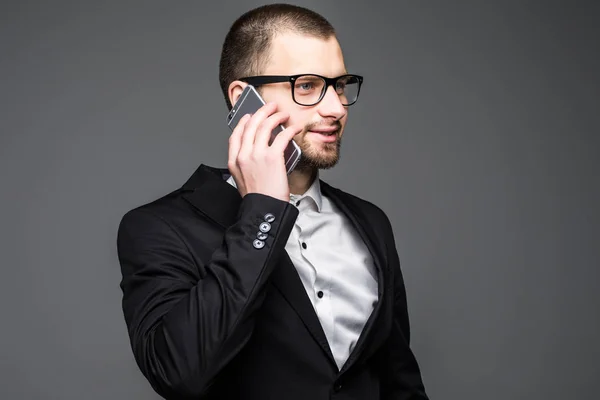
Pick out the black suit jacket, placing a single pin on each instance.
(210, 316)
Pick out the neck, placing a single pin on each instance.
(300, 180)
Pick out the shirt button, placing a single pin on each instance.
(265, 227)
(262, 236)
(269, 217)
(320, 294)
(304, 246)
(258, 244)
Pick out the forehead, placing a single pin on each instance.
(293, 53)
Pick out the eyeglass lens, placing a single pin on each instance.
(308, 89)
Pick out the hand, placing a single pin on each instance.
(256, 166)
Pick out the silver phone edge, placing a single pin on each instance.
(295, 158)
(230, 117)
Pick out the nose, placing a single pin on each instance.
(331, 106)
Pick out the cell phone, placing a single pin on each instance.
(248, 103)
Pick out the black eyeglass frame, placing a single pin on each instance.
(259, 80)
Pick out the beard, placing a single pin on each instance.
(321, 155)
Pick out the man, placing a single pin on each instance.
(247, 283)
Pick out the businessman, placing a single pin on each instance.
(249, 283)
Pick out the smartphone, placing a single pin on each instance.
(248, 103)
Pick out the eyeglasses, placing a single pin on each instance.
(309, 89)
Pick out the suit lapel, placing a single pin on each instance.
(287, 281)
(361, 224)
(218, 201)
(364, 227)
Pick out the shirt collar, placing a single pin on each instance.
(314, 192)
(231, 181)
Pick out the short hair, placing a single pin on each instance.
(246, 47)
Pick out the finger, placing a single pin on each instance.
(281, 141)
(265, 130)
(235, 142)
(257, 118)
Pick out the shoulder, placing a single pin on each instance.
(158, 212)
(175, 204)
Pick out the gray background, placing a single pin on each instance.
(477, 132)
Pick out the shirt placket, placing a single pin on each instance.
(321, 293)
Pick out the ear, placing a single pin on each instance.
(235, 90)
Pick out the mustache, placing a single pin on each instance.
(336, 124)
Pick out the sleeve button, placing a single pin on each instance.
(262, 236)
(265, 227)
(269, 217)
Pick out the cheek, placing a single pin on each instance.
(274, 94)
(344, 120)
(298, 117)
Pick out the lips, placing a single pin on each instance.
(325, 136)
(325, 131)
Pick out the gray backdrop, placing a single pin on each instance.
(477, 132)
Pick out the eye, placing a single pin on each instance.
(341, 84)
(305, 85)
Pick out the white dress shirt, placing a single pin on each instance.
(335, 267)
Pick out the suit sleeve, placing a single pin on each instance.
(401, 375)
(185, 327)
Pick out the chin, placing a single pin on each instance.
(320, 159)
